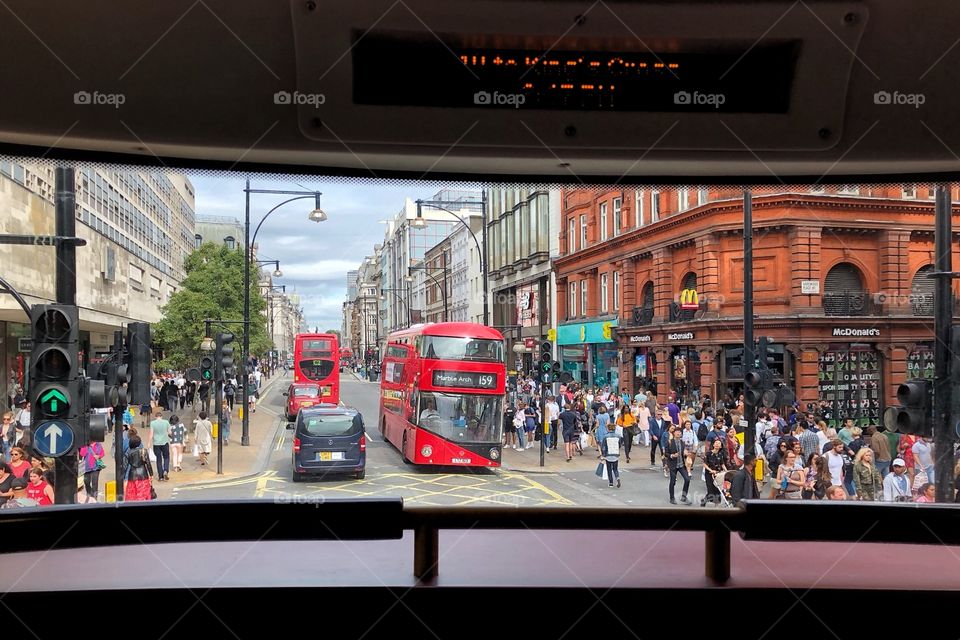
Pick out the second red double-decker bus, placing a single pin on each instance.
(316, 358)
(441, 394)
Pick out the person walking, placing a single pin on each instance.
(225, 420)
(866, 477)
(160, 441)
(91, 456)
(610, 446)
(139, 472)
(229, 393)
(676, 463)
(178, 440)
(38, 489)
(628, 423)
(714, 463)
(570, 422)
(656, 428)
(204, 437)
(791, 478)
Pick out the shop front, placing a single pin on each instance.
(850, 379)
(644, 361)
(589, 353)
(685, 370)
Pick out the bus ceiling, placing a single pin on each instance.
(518, 90)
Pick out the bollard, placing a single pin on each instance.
(110, 490)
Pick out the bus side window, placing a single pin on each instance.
(412, 409)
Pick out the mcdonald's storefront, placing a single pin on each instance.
(589, 352)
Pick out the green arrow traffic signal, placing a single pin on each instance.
(54, 401)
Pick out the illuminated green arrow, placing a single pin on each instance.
(54, 395)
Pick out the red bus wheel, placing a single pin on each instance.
(403, 450)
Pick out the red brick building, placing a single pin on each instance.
(839, 285)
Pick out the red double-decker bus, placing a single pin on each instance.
(316, 358)
(441, 394)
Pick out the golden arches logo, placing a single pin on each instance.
(689, 299)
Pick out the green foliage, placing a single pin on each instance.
(213, 289)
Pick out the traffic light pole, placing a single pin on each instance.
(749, 407)
(65, 469)
(943, 319)
(118, 411)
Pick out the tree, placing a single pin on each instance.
(213, 289)
(335, 332)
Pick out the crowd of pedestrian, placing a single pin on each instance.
(797, 456)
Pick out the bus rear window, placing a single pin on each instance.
(450, 348)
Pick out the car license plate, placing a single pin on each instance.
(461, 460)
(325, 456)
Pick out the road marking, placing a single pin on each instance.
(280, 441)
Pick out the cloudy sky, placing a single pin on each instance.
(314, 257)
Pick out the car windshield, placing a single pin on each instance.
(447, 348)
(461, 417)
(331, 425)
(306, 392)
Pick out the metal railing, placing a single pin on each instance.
(640, 317)
(848, 303)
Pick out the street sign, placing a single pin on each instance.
(25, 344)
(744, 423)
(53, 438)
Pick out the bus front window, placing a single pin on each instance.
(461, 418)
(448, 348)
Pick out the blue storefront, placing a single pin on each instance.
(590, 353)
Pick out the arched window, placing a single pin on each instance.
(197, 241)
(690, 281)
(921, 292)
(230, 242)
(843, 291)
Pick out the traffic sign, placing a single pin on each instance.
(55, 401)
(53, 438)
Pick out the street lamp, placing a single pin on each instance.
(443, 288)
(276, 272)
(316, 215)
(397, 291)
(420, 223)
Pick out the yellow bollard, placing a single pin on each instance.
(111, 491)
(240, 414)
(216, 429)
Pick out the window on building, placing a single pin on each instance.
(683, 199)
(616, 290)
(910, 191)
(583, 297)
(617, 219)
(843, 291)
(572, 236)
(848, 189)
(702, 196)
(654, 205)
(572, 312)
(136, 277)
(604, 305)
(230, 242)
(603, 221)
(583, 232)
(197, 241)
(638, 208)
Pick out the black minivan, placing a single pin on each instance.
(327, 441)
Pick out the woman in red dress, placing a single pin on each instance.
(139, 472)
(39, 489)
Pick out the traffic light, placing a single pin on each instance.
(206, 368)
(92, 427)
(139, 362)
(915, 415)
(223, 356)
(545, 366)
(54, 378)
(120, 397)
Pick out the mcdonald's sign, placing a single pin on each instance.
(689, 299)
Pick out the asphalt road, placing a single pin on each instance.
(388, 475)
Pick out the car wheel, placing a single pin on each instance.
(297, 477)
(361, 474)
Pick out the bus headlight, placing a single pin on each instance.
(426, 451)
(494, 453)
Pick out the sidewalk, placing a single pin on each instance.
(237, 459)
